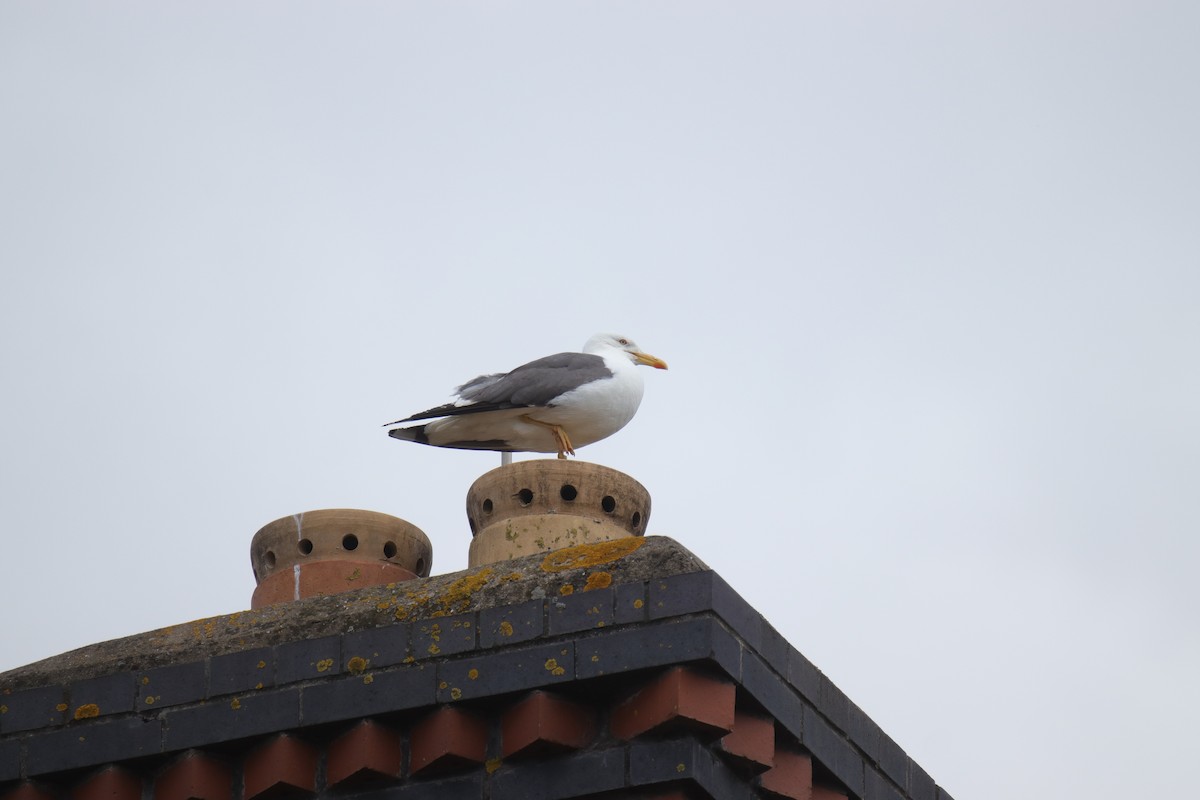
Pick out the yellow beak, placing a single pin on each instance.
(648, 360)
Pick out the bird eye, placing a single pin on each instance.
(623, 341)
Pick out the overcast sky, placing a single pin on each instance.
(927, 276)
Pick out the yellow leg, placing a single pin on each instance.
(560, 436)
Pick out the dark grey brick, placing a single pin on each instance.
(657, 644)
(920, 784)
(229, 718)
(773, 693)
(458, 788)
(804, 675)
(571, 776)
(10, 760)
(444, 636)
(630, 603)
(513, 624)
(775, 649)
(308, 658)
(942, 794)
(31, 709)
(656, 762)
(892, 760)
(727, 651)
(581, 611)
(834, 704)
(877, 787)
(500, 672)
(697, 592)
(109, 694)
(368, 694)
(171, 686)
(241, 672)
(832, 750)
(866, 735)
(93, 743)
(379, 647)
(653, 762)
(676, 595)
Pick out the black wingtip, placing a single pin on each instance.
(413, 434)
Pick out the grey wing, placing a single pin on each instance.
(538, 382)
(471, 390)
(529, 386)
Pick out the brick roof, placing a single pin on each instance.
(624, 667)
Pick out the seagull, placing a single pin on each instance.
(551, 405)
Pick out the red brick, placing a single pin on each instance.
(751, 743)
(366, 754)
(323, 578)
(27, 791)
(681, 697)
(110, 783)
(285, 764)
(546, 723)
(825, 793)
(791, 777)
(195, 776)
(447, 739)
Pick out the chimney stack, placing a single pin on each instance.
(334, 550)
(548, 504)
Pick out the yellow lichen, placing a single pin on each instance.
(357, 665)
(492, 764)
(434, 649)
(566, 589)
(590, 555)
(457, 596)
(553, 668)
(368, 678)
(354, 576)
(235, 704)
(87, 710)
(262, 664)
(324, 664)
(506, 628)
(598, 580)
(61, 707)
(473, 674)
(150, 700)
(638, 603)
(455, 693)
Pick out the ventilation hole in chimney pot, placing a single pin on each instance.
(608, 504)
(487, 506)
(389, 550)
(636, 520)
(568, 492)
(269, 559)
(350, 541)
(420, 567)
(304, 546)
(526, 496)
